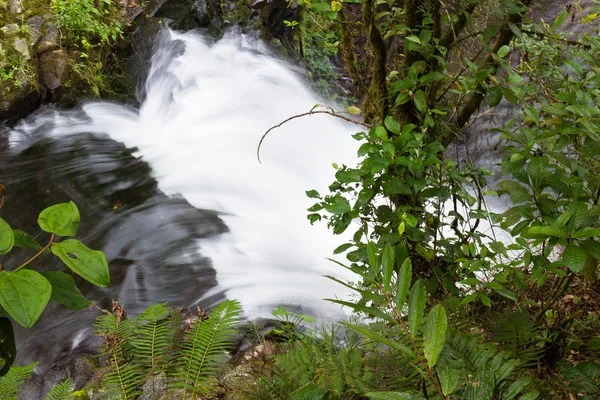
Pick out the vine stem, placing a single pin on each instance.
(50, 243)
(311, 112)
(422, 361)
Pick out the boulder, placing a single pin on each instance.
(20, 45)
(54, 67)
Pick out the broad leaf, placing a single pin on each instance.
(25, 240)
(574, 258)
(310, 391)
(7, 238)
(434, 334)
(378, 337)
(586, 232)
(494, 96)
(416, 307)
(555, 231)
(24, 295)
(90, 264)
(392, 125)
(449, 379)
(61, 219)
(387, 263)
(64, 291)
(373, 258)
(404, 278)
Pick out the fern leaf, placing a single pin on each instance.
(151, 340)
(11, 383)
(62, 391)
(203, 348)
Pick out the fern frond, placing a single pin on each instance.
(122, 380)
(203, 348)
(62, 391)
(11, 383)
(516, 333)
(151, 341)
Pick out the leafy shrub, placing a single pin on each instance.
(24, 293)
(89, 20)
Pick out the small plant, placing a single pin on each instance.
(96, 20)
(186, 353)
(12, 382)
(24, 293)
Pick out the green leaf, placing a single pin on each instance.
(482, 385)
(310, 391)
(312, 194)
(392, 396)
(392, 124)
(555, 231)
(416, 307)
(373, 257)
(560, 19)
(381, 133)
(574, 258)
(419, 99)
(503, 51)
(434, 334)
(24, 239)
(90, 264)
(64, 291)
(7, 238)
(340, 205)
(430, 77)
(586, 232)
(494, 96)
(517, 192)
(485, 300)
(449, 379)
(387, 263)
(378, 337)
(404, 278)
(24, 295)
(515, 388)
(510, 95)
(61, 219)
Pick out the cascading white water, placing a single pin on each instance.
(199, 125)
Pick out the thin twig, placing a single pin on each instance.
(37, 255)
(311, 112)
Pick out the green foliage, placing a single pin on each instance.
(433, 281)
(24, 293)
(188, 354)
(89, 20)
(10, 384)
(325, 363)
(62, 391)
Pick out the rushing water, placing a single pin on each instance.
(205, 108)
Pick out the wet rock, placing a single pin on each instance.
(11, 29)
(259, 4)
(3, 61)
(203, 14)
(15, 7)
(179, 12)
(49, 41)
(34, 24)
(18, 101)
(54, 68)
(20, 45)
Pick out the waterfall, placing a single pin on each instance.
(205, 108)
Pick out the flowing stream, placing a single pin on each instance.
(204, 111)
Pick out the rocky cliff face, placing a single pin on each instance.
(40, 63)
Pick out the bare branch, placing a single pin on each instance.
(311, 112)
